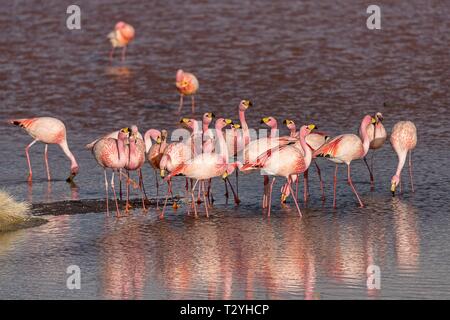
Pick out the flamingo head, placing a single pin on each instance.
(222, 123)
(164, 135)
(290, 124)
(134, 132)
(305, 130)
(394, 183)
(379, 117)
(190, 123)
(126, 30)
(208, 117)
(73, 172)
(270, 121)
(244, 105)
(236, 126)
(181, 81)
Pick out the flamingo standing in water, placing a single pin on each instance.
(377, 135)
(111, 153)
(49, 131)
(187, 85)
(314, 140)
(120, 37)
(286, 161)
(155, 152)
(272, 123)
(344, 149)
(207, 165)
(135, 152)
(403, 141)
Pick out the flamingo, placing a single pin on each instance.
(155, 152)
(120, 37)
(403, 141)
(314, 140)
(286, 161)
(111, 153)
(115, 135)
(187, 85)
(344, 149)
(377, 134)
(135, 152)
(49, 131)
(207, 165)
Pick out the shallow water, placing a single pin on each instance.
(313, 62)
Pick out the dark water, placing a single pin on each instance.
(310, 61)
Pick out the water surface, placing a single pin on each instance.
(309, 61)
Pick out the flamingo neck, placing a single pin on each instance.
(306, 149)
(244, 125)
(365, 137)
(293, 132)
(273, 131)
(148, 139)
(222, 145)
(65, 147)
(401, 162)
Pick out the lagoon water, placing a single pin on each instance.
(309, 61)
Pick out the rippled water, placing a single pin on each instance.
(310, 61)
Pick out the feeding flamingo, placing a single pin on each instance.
(403, 141)
(377, 135)
(187, 85)
(135, 151)
(314, 140)
(155, 152)
(111, 153)
(286, 161)
(49, 131)
(120, 37)
(344, 149)
(207, 165)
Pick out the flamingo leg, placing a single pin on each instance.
(46, 161)
(210, 194)
(320, 179)
(127, 205)
(236, 198)
(410, 171)
(226, 189)
(111, 54)
(157, 190)
(193, 197)
(115, 196)
(295, 200)
(237, 184)
(124, 50)
(266, 184)
(370, 172)
(181, 103)
(141, 188)
(334, 186)
(351, 185)
(306, 187)
(107, 195)
(193, 104)
(204, 198)
(297, 189)
(167, 197)
(30, 173)
(199, 200)
(270, 196)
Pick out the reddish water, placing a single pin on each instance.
(313, 62)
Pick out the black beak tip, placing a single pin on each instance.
(393, 193)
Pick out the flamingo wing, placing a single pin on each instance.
(329, 149)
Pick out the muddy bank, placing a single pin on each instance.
(90, 206)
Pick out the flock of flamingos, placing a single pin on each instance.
(208, 153)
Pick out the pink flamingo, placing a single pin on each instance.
(403, 141)
(49, 131)
(207, 135)
(207, 165)
(287, 161)
(377, 134)
(111, 153)
(344, 149)
(122, 35)
(272, 123)
(155, 152)
(314, 140)
(135, 152)
(187, 85)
